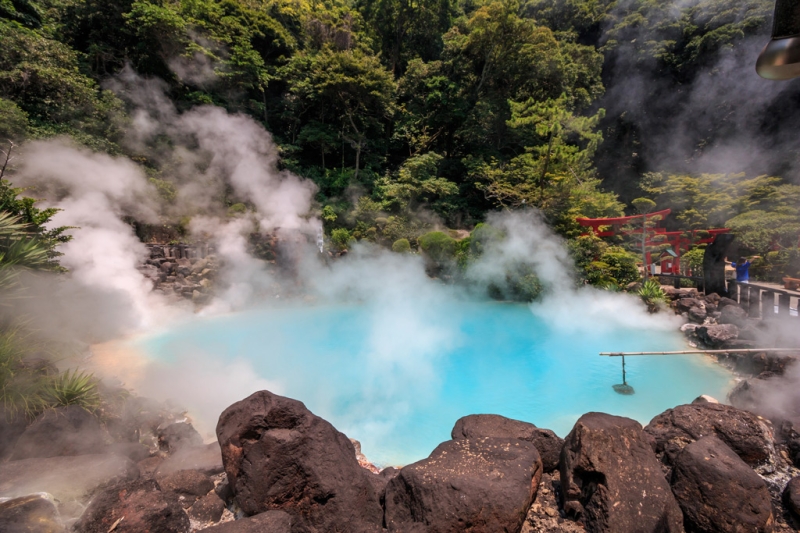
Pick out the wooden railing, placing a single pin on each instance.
(764, 302)
(754, 298)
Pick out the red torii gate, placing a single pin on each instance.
(679, 240)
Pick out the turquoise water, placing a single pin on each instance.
(398, 381)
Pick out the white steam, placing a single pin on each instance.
(94, 193)
(211, 154)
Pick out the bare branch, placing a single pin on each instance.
(7, 153)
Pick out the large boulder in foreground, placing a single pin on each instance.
(475, 485)
(745, 433)
(612, 481)
(279, 455)
(134, 507)
(718, 492)
(70, 430)
(791, 496)
(30, 514)
(547, 443)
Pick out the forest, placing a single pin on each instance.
(416, 118)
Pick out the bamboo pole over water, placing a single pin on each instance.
(684, 352)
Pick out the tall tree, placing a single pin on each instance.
(408, 29)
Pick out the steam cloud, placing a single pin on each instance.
(211, 151)
(750, 119)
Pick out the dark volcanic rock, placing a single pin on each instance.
(612, 481)
(547, 443)
(685, 304)
(268, 522)
(380, 481)
(188, 485)
(676, 294)
(760, 362)
(30, 514)
(724, 302)
(475, 485)
(472, 426)
(717, 335)
(63, 431)
(733, 314)
(209, 508)
(177, 436)
(718, 492)
(793, 447)
(697, 314)
(743, 395)
(279, 455)
(745, 433)
(791, 496)
(147, 467)
(135, 507)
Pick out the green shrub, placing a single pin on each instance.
(401, 246)
(438, 246)
(598, 273)
(340, 238)
(693, 260)
(482, 236)
(21, 391)
(774, 266)
(621, 265)
(652, 294)
(74, 388)
(523, 286)
(520, 284)
(237, 209)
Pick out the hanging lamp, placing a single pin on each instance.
(780, 59)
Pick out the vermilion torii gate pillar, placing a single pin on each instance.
(680, 241)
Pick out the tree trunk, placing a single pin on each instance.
(644, 248)
(358, 159)
(544, 168)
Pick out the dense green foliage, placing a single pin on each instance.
(414, 116)
(761, 211)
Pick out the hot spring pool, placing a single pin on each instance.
(398, 381)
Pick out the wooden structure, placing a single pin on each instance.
(764, 301)
(679, 241)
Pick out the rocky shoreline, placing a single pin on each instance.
(279, 468)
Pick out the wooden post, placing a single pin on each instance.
(753, 302)
(768, 305)
(783, 305)
(733, 292)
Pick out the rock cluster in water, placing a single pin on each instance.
(278, 468)
(182, 272)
